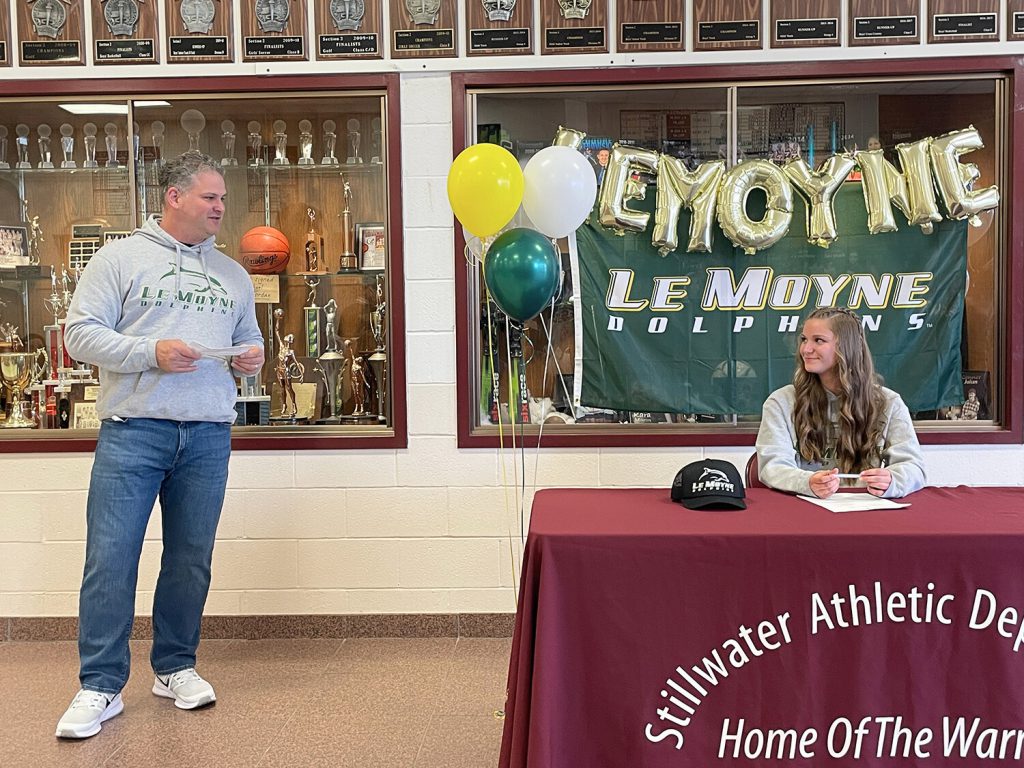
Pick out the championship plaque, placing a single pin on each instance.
(422, 28)
(1015, 19)
(5, 40)
(348, 29)
(884, 22)
(954, 21)
(499, 27)
(274, 30)
(651, 25)
(199, 30)
(574, 26)
(51, 32)
(805, 23)
(726, 25)
(125, 32)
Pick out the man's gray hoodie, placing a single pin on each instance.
(147, 287)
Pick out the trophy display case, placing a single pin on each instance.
(652, 338)
(311, 200)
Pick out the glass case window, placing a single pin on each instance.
(308, 215)
(736, 209)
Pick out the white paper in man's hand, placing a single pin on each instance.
(225, 353)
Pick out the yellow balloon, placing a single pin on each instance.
(485, 188)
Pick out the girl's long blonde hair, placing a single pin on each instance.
(860, 399)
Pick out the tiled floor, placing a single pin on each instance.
(413, 703)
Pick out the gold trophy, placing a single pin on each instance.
(348, 262)
(314, 247)
(17, 370)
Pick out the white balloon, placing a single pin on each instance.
(559, 189)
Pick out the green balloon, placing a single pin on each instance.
(522, 270)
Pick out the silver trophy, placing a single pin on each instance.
(22, 141)
(192, 122)
(378, 360)
(121, 16)
(574, 9)
(48, 18)
(280, 143)
(347, 14)
(331, 363)
(198, 16)
(330, 141)
(89, 140)
(67, 146)
(157, 129)
(255, 142)
(34, 239)
(272, 15)
(3, 147)
(137, 155)
(376, 140)
(423, 11)
(353, 143)
(110, 138)
(306, 143)
(227, 135)
(499, 10)
(45, 134)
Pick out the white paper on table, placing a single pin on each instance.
(222, 352)
(853, 502)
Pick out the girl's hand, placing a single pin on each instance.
(824, 483)
(878, 480)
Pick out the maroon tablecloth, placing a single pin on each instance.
(805, 628)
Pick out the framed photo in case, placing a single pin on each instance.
(372, 240)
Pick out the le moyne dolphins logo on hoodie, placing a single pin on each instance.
(198, 291)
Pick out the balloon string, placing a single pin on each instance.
(512, 381)
(501, 448)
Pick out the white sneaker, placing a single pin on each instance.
(186, 687)
(88, 710)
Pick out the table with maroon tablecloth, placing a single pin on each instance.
(881, 638)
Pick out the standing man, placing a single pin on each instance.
(144, 306)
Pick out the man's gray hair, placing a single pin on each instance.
(182, 170)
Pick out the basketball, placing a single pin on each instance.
(264, 251)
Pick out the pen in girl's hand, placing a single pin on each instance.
(848, 477)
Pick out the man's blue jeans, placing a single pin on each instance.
(137, 460)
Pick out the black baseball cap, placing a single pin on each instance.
(709, 483)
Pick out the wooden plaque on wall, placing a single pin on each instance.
(270, 34)
(117, 39)
(499, 27)
(59, 40)
(423, 28)
(884, 22)
(1015, 19)
(349, 30)
(5, 40)
(963, 21)
(804, 23)
(651, 25)
(726, 25)
(574, 26)
(199, 30)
